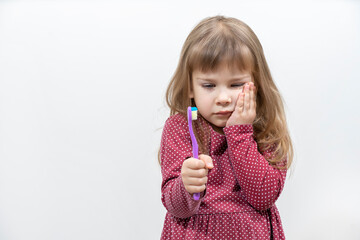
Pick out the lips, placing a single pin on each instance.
(223, 113)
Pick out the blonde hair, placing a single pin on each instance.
(216, 40)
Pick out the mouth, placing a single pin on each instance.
(223, 113)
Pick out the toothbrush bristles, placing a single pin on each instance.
(193, 113)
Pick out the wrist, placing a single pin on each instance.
(238, 129)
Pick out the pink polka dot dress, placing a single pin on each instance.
(240, 195)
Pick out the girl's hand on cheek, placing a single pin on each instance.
(245, 109)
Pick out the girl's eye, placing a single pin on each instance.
(208, 85)
(237, 85)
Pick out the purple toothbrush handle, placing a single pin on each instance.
(196, 196)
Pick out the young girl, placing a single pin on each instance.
(244, 145)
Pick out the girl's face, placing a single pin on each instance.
(215, 93)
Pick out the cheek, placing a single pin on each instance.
(236, 93)
(202, 95)
(204, 101)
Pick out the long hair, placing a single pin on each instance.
(216, 40)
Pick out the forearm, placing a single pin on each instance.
(261, 184)
(175, 148)
(177, 200)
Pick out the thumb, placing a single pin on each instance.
(207, 160)
(240, 102)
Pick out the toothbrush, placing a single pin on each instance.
(192, 115)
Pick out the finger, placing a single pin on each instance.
(240, 102)
(255, 93)
(247, 98)
(255, 96)
(207, 161)
(252, 97)
(196, 181)
(196, 189)
(195, 164)
(197, 173)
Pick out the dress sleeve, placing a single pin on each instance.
(260, 183)
(175, 148)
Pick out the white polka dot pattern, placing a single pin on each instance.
(240, 195)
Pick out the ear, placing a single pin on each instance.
(191, 93)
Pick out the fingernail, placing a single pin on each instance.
(210, 165)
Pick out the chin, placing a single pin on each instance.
(219, 125)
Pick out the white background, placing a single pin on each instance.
(82, 87)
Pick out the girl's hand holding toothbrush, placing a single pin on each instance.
(245, 109)
(194, 173)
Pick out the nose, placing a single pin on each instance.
(223, 98)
